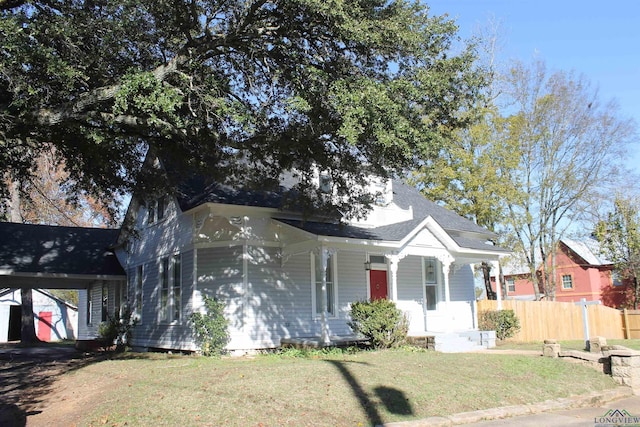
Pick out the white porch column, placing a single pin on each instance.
(495, 265)
(393, 267)
(446, 267)
(324, 256)
(446, 259)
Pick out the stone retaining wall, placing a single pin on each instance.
(621, 363)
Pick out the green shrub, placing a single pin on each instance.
(504, 322)
(107, 331)
(117, 328)
(210, 328)
(380, 321)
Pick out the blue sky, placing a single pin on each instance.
(599, 39)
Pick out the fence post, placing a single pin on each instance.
(585, 319)
(627, 332)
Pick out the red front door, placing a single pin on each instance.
(378, 284)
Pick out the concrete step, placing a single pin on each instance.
(455, 343)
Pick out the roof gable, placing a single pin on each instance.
(588, 250)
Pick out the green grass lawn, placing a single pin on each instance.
(358, 389)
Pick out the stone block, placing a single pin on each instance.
(621, 371)
(633, 361)
(551, 350)
(596, 344)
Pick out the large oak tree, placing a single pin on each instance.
(237, 89)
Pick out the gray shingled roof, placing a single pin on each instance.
(195, 191)
(393, 232)
(405, 195)
(45, 249)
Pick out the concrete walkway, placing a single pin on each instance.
(586, 410)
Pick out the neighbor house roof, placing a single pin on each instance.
(588, 250)
(55, 250)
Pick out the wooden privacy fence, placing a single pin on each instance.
(631, 320)
(540, 320)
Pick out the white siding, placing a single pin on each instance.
(88, 330)
(278, 301)
(410, 293)
(463, 295)
(161, 238)
(352, 286)
(150, 332)
(220, 275)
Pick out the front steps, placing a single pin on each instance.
(456, 342)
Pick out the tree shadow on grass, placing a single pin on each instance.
(393, 400)
(27, 377)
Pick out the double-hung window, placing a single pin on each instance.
(329, 274)
(156, 210)
(511, 284)
(176, 299)
(105, 302)
(431, 283)
(138, 291)
(89, 305)
(170, 289)
(567, 281)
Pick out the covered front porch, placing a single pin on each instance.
(427, 273)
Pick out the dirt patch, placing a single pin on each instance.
(36, 386)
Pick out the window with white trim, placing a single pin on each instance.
(330, 283)
(156, 210)
(105, 302)
(430, 274)
(176, 296)
(164, 289)
(89, 305)
(170, 289)
(511, 284)
(121, 296)
(567, 281)
(138, 292)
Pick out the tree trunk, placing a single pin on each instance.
(503, 282)
(28, 327)
(486, 273)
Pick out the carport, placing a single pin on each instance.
(54, 257)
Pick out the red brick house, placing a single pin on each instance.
(580, 273)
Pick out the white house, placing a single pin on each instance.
(282, 277)
(285, 278)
